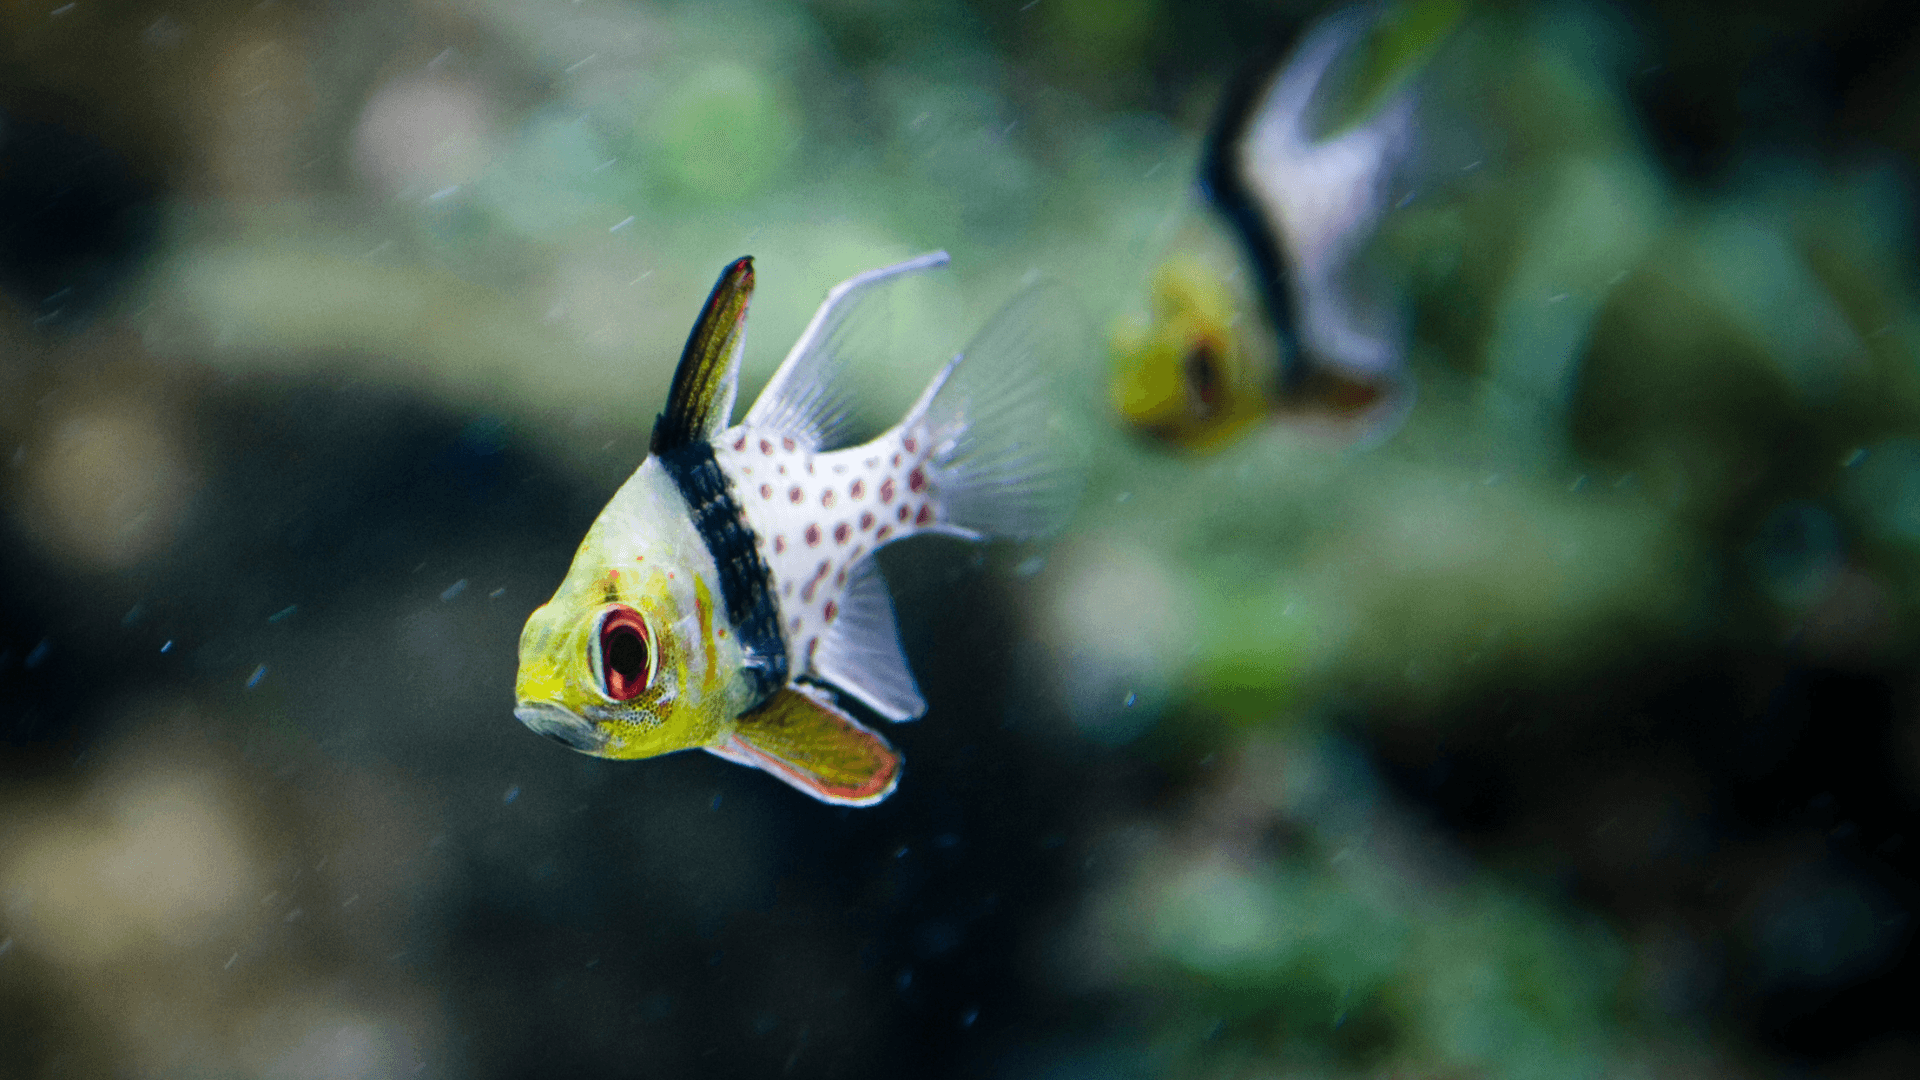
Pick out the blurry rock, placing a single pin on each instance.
(159, 863)
(257, 100)
(423, 134)
(76, 218)
(105, 482)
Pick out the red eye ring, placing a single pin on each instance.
(623, 653)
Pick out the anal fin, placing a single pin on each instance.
(800, 736)
(860, 651)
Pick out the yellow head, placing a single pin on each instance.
(1200, 370)
(630, 658)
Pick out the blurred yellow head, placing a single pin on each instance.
(1192, 373)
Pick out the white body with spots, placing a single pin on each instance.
(817, 515)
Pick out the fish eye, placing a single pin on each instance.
(624, 653)
(1202, 369)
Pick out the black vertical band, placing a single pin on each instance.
(1225, 183)
(746, 584)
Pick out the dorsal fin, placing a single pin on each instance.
(704, 384)
(800, 736)
(860, 651)
(807, 399)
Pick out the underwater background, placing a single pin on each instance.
(1569, 729)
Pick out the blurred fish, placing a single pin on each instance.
(1260, 309)
(727, 598)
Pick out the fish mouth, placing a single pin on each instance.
(561, 726)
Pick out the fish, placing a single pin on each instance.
(1261, 309)
(727, 598)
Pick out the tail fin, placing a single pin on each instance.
(1002, 463)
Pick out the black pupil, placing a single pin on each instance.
(1203, 376)
(626, 654)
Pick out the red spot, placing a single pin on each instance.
(917, 480)
(766, 491)
(806, 591)
(925, 515)
(896, 460)
(795, 625)
(787, 445)
(885, 531)
(783, 470)
(779, 544)
(912, 447)
(886, 490)
(906, 511)
(821, 570)
(831, 610)
(841, 532)
(794, 494)
(740, 443)
(839, 579)
(812, 644)
(866, 521)
(826, 498)
(813, 535)
(766, 447)
(858, 489)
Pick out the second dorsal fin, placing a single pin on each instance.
(704, 385)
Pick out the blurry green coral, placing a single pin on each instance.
(1361, 944)
(722, 134)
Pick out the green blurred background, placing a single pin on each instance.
(1568, 731)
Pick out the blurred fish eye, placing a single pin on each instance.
(1202, 368)
(624, 654)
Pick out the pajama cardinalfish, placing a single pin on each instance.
(727, 598)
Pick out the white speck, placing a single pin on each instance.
(1470, 166)
(259, 673)
(294, 914)
(168, 647)
(624, 222)
(641, 278)
(443, 193)
(1123, 496)
(1578, 482)
(63, 9)
(1859, 455)
(580, 63)
(231, 960)
(1557, 297)
(901, 853)
(283, 613)
(967, 1018)
(497, 593)
(1032, 566)
(1154, 168)
(440, 57)
(605, 165)
(512, 794)
(6, 946)
(39, 654)
(1617, 278)
(454, 589)
(348, 902)
(1131, 698)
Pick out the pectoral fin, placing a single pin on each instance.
(708, 377)
(802, 738)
